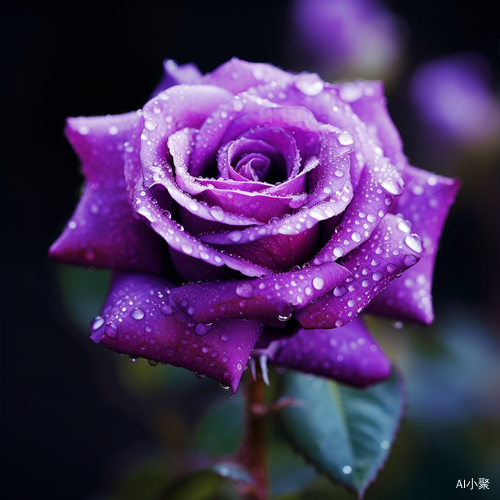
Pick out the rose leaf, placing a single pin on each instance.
(345, 433)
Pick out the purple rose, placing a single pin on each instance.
(279, 197)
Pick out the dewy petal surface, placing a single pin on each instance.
(425, 203)
(272, 297)
(175, 74)
(139, 319)
(237, 75)
(103, 231)
(389, 251)
(348, 354)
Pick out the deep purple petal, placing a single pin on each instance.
(103, 231)
(139, 319)
(173, 74)
(425, 202)
(390, 250)
(237, 75)
(271, 297)
(348, 354)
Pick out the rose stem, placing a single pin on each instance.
(252, 454)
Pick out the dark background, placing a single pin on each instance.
(66, 418)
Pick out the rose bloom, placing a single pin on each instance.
(285, 203)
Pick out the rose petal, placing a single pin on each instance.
(138, 318)
(389, 251)
(237, 75)
(372, 200)
(182, 106)
(367, 100)
(178, 239)
(348, 354)
(173, 74)
(103, 231)
(271, 297)
(426, 202)
(208, 140)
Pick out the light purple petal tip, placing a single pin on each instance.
(175, 74)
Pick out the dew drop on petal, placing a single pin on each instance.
(166, 310)
(414, 242)
(245, 290)
(345, 139)
(409, 260)
(97, 323)
(137, 313)
(111, 330)
(224, 337)
(318, 283)
(202, 329)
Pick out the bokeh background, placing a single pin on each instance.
(82, 423)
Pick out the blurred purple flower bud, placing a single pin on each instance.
(453, 96)
(346, 38)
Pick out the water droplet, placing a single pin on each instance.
(285, 318)
(113, 130)
(391, 186)
(309, 86)
(245, 290)
(111, 330)
(356, 237)
(150, 125)
(191, 310)
(391, 268)
(187, 248)
(377, 276)
(134, 359)
(152, 362)
(385, 444)
(339, 323)
(224, 387)
(202, 329)
(225, 338)
(137, 313)
(97, 323)
(338, 251)
(166, 310)
(404, 226)
(347, 469)
(414, 242)
(318, 283)
(345, 139)
(339, 290)
(409, 260)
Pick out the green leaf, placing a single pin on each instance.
(345, 433)
(208, 484)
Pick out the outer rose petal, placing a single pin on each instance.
(103, 231)
(389, 252)
(367, 100)
(138, 318)
(237, 75)
(425, 202)
(173, 74)
(272, 297)
(348, 354)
